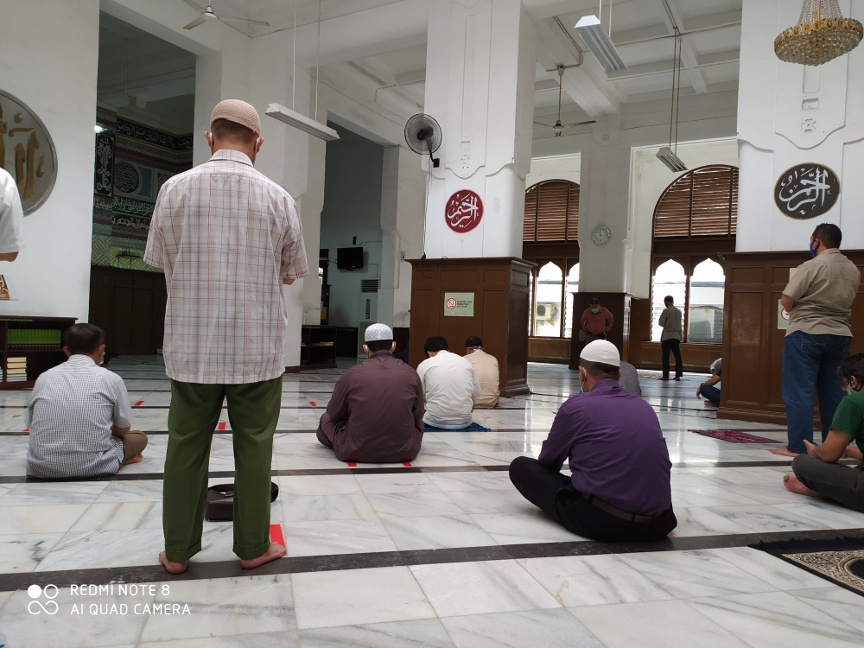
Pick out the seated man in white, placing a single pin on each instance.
(449, 385)
(79, 414)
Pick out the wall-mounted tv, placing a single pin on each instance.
(349, 258)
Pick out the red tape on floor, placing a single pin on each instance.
(351, 464)
(407, 463)
(276, 534)
(222, 425)
(312, 403)
(138, 403)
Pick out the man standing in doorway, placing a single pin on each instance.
(672, 321)
(227, 238)
(819, 299)
(596, 321)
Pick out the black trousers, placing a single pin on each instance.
(675, 347)
(554, 494)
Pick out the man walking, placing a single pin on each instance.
(819, 299)
(671, 319)
(227, 238)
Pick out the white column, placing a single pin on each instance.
(480, 87)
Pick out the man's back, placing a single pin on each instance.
(486, 369)
(630, 379)
(615, 449)
(449, 387)
(671, 319)
(70, 414)
(824, 289)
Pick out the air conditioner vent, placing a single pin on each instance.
(369, 285)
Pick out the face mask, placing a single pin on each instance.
(814, 249)
(849, 390)
(595, 310)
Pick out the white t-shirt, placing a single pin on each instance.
(11, 214)
(450, 386)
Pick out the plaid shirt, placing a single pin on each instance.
(226, 236)
(70, 414)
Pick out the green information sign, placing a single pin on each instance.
(459, 304)
(782, 317)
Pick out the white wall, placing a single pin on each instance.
(564, 167)
(48, 60)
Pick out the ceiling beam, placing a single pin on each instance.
(673, 19)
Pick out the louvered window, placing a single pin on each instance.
(702, 202)
(551, 212)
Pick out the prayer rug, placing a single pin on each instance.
(474, 427)
(840, 561)
(734, 436)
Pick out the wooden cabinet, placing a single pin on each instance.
(39, 340)
(318, 347)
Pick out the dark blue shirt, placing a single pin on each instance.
(616, 450)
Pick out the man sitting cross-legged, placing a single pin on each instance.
(619, 489)
(450, 386)
(376, 412)
(79, 414)
(817, 473)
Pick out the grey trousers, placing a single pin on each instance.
(842, 484)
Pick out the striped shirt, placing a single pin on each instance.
(70, 414)
(226, 236)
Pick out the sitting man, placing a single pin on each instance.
(619, 486)
(629, 380)
(449, 386)
(79, 414)
(376, 412)
(707, 389)
(486, 368)
(817, 473)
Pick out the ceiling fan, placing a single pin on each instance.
(207, 14)
(558, 127)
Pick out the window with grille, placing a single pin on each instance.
(702, 202)
(551, 212)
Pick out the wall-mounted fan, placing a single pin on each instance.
(558, 127)
(423, 135)
(207, 14)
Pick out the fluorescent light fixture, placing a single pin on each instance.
(672, 161)
(592, 32)
(301, 122)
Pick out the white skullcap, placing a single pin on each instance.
(601, 351)
(239, 112)
(378, 332)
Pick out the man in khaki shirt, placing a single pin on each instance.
(819, 299)
(486, 368)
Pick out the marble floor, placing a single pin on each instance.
(443, 552)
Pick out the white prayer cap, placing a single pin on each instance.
(378, 332)
(239, 112)
(601, 351)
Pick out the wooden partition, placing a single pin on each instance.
(500, 299)
(753, 343)
(616, 303)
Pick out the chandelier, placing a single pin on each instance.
(822, 34)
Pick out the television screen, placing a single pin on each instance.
(349, 258)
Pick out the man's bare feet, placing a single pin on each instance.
(134, 459)
(852, 452)
(793, 485)
(275, 552)
(172, 567)
(783, 452)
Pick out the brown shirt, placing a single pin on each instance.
(486, 369)
(823, 289)
(597, 323)
(377, 410)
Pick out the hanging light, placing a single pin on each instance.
(821, 35)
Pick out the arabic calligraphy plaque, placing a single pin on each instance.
(26, 152)
(464, 211)
(806, 191)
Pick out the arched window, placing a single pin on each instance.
(572, 286)
(669, 279)
(702, 202)
(547, 308)
(551, 212)
(707, 285)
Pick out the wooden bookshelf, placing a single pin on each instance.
(318, 347)
(38, 339)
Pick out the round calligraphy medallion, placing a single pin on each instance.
(26, 152)
(806, 191)
(464, 211)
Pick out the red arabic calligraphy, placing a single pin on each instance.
(464, 211)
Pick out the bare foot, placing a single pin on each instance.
(172, 567)
(275, 552)
(793, 485)
(134, 459)
(783, 452)
(852, 452)
(708, 403)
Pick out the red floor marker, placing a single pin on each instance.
(26, 429)
(407, 463)
(139, 403)
(312, 403)
(222, 425)
(276, 534)
(351, 464)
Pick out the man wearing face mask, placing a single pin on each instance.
(619, 487)
(819, 299)
(817, 473)
(596, 321)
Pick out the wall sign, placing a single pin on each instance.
(459, 304)
(464, 211)
(782, 317)
(806, 191)
(26, 152)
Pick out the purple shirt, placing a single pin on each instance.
(615, 447)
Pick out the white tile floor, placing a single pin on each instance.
(707, 597)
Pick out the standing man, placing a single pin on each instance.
(672, 321)
(227, 238)
(486, 369)
(11, 217)
(819, 301)
(596, 321)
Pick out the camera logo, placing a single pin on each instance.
(36, 592)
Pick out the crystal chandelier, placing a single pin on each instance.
(822, 34)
